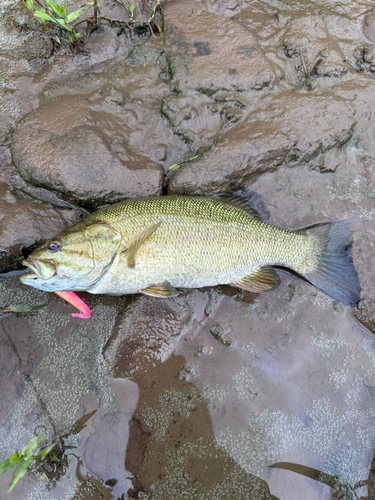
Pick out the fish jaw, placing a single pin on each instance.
(44, 269)
(42, 272)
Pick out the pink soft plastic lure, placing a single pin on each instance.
(73, 299)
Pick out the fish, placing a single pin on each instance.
(160, 245)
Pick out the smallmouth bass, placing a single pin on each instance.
(158, 245)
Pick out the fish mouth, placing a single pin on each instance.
(43, 269)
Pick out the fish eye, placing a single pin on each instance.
(54, 246)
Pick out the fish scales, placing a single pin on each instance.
(211, 243)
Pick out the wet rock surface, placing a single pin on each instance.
(26, 222)
(60, 148)
(266, 140)
(195, 395)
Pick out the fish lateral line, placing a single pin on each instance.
(78, 303)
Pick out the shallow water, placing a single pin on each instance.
(291, 378)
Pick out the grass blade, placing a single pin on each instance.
(42, 15)
(44, 451)
(31, 447)
(10, 462)
(74, 15)
(21, 470)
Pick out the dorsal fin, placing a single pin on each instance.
(250, 202)
(138, 242)
(262, 280)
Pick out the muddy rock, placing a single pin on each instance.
(368, 26)
(60, 148)
(292, 130)
(310, 52)
(26, 222)
(149, 330)
(214, 53)
(192, 118)
(365, 314)
(365, 58)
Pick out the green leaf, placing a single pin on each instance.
(78, 35)
(73, 15)
(21, 470)
(60, 11)
(42, 15)
(29, 4)
(177, 165)
(90, 3)
(70, 38)
(31, 447)
(24, 308)
(56, 38)
(61, 23)
(10, 462)
(44, 451)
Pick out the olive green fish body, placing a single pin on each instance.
(155, 245)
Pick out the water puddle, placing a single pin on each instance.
(193, 397)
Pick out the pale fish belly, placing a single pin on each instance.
(190, 254)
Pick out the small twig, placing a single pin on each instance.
(88, 20)
(151, 30)
(117, 20)
(96, 11)
(304, 65)
(119, 1)
(314, 71)
(369, 9)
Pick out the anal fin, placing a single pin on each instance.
(262, 280)
(162, 290)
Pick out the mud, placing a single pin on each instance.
(198, 395)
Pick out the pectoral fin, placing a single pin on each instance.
(162, 290)
(138, 242)
(262, 280)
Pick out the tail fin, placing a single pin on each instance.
(335, 275)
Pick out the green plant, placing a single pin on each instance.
(51, 11)
(24, 459)
(46, 465)
(130, 8)
(177, 165)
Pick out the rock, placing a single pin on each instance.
(61, 148)
(289, 132)
(213, 53)
(149, 330)
(26, 222)
(310, 52)
(365, 58)
(365, 314)
(328, 162)
(368, 27)
(193, 118)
